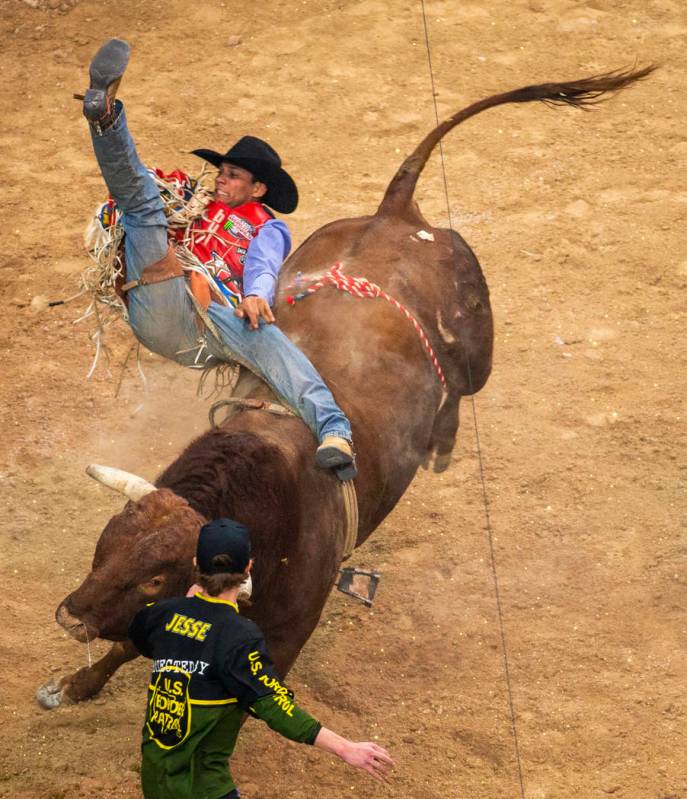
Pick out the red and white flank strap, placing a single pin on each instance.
(362, 288)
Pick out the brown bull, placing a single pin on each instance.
(258, 468)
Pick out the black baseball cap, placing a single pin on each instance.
(223, 537)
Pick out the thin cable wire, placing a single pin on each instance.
(485, 496)
(436, 112)
(497, 593)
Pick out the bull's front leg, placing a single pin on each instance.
(86, 682)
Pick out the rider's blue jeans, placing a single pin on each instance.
(162, 316)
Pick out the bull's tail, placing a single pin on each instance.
(580, 94)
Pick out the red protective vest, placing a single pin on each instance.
(222, 236)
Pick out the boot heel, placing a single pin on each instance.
(106, 70)
(95, 104)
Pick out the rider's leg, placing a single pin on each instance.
(274, 357)
(135, 192)
(161, 315)
(129, 182)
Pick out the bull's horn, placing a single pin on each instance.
(126, 483)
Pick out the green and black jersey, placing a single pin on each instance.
(210, 666)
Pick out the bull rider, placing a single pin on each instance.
(237, 238)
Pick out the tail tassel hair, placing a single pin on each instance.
(587, 92)
(584, 94)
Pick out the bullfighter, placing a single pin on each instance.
(210, 667)
(237, 235)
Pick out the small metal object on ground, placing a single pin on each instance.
(361, 580)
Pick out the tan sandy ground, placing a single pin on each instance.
(578, 220)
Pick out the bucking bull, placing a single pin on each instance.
(400, 382)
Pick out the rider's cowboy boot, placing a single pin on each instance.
(106, 70)
(336, 453)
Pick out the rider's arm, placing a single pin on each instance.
(266, 253)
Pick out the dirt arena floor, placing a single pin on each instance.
(578, 221)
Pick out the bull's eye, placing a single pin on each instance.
(152, 586)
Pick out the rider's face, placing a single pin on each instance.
(234, 186)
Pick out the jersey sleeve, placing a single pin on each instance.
(264, 257)
(291, 721)
(247, 669)
(250, 675)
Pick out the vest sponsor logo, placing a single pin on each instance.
(224, 234)
(238, 226)
(169, 709)
(281, 694)
(108, 214)
(241, 253)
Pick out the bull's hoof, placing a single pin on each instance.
(52, 695)
(441, 462)
(437, 461)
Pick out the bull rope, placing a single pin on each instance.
(362, 288)
(351, 518)
(485, 496)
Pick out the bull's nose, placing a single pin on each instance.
(75, 627)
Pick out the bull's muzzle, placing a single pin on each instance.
(78, 629)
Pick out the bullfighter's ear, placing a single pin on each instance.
(152, 587)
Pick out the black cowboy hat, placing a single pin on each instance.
(264, 164)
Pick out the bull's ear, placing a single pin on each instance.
(153, 586)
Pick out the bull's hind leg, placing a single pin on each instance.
(443, 437)
(86, 682)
